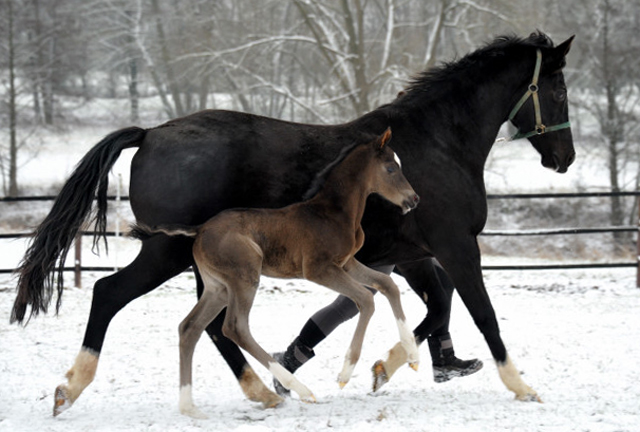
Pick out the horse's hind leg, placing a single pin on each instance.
(236, 328)
(160, 259)
(252, 386)
(389, 289)
(208, 307)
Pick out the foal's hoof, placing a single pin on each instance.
(271, 400)
(414, 365)
(529, 397)
(61, 401)
(193, 412)
(310, 398)
(380, 376)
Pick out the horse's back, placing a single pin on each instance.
(190, 168)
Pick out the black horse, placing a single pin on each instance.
(189, 169)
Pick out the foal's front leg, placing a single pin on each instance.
(338, 280)
(389, 289)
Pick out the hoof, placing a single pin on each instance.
(271, 401)
(280, 389)
(456, 369)
(61, 400)
(414, 366)
(193, 412)
(380, 377)
(529, 397)
(308, 398)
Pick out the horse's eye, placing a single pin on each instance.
(561, 95)
(391, 169)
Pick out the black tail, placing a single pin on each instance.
(141, 231)
(45, 258)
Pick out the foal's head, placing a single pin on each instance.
(387, 178)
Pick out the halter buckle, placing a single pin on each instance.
(540, 129)
(533, 88)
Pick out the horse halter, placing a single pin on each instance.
(532, 91)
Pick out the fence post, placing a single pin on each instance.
(638, 249)
(78, 262)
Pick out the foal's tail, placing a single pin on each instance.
(44, 260)
(141, 231)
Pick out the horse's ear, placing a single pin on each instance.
(557, 61)
(564, 47)
(386, 137)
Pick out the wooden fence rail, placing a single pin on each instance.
(78, 268)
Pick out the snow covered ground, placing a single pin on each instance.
(573, 334)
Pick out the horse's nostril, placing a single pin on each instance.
(416, 199)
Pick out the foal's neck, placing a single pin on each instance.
(347, 187)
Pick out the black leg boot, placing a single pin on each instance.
(295, 356)
(445, 364)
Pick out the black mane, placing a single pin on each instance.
(320, 178)
(431, 79)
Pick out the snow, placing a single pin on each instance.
(574, 334)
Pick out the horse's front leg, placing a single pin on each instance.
(389, 289)
(461, 260)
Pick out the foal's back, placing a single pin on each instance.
(275, 242)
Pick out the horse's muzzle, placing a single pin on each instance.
(563, 164)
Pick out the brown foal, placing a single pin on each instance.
(315, 240)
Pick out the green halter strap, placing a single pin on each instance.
(532, 92)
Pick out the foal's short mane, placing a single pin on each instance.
(431, 78)
(320, 178)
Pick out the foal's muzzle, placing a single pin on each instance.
(410, 203)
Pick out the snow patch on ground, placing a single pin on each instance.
(573, 334)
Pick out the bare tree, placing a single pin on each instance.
(608, 74)
(13, 145)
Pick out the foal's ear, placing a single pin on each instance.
(385, 138)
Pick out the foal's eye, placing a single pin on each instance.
(561, 95)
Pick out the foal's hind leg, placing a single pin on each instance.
(389, 289)
(212, 301)
(252, 386)
(160, 259)
(236, 328)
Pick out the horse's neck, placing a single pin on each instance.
(480, 107)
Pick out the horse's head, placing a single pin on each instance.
(542, 114)
(388, 179)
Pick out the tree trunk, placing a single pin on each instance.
(13, 145)
(612, 130)
(134, 95)
(166, 62)
(355, 30)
